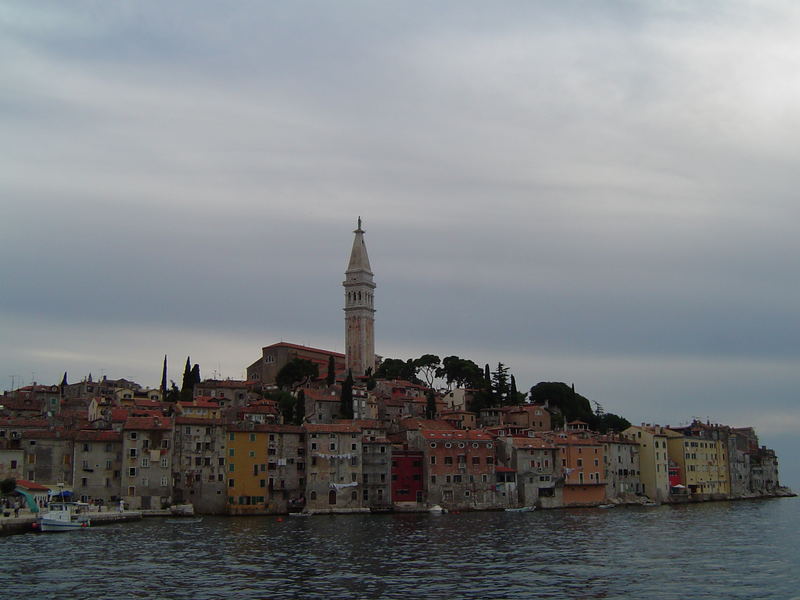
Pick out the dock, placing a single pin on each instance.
(24, 522)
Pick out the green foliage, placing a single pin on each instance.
(330, 377)
(564, 398)
(187, 385)
(7, 486)
(430, 405)
(173, 393)
(500, 385)
(163, 378)
(286, 404)
(395, 368)
(346, 399)
(608, 422)
(461, 372)
(299, 408)
(297, 372)
(426, 365)
(515, 398)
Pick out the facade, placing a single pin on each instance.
(582, 457)
(376, 471)
(408, 489)
(621, 463)
(535, 462)
(286, 468)
(48, 455)
(98, 466)
(147, 462)
(273, 358)
(359, 308)
(702, 463)
(198, 464)
(459, 468)
(334, 471)
(653, 459)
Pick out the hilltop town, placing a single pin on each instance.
(319, 431)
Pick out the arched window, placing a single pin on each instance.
(332, 497)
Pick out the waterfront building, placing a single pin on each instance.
(198, 464)
(702, 463)
(459, 468)
(376, 470)
(582, 458)
(359, 308)
(12, 461)
(621, 463)
(147, 462)
(408, 486)
(535, 461)
(334, 469)
(246, 468)
(653, 459)
(97, 464)
(286, 468)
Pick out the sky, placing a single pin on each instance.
(600, 193)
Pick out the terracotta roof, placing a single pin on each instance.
(299, 347)
(197, 421)
(32, 485)
(457, 434)
(332, 428)
(148, 423)
(94, 435)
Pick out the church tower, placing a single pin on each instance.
(359, 311)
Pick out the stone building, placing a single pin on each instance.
(653, 459)
(147, 462)
(198, 464)
(535, 462)
(459, 468)
(274, 358)
(621, 464)
(48, 455)
(334, 469)
(286, 468)
(97, 465)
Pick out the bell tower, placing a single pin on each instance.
(359, 308)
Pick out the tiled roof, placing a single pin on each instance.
(93, 435)
(148, 423)
(32, 485)
(299, 347)
(332, 428)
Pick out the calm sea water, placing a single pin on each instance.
(747, 549)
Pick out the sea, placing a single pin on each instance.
(727, 550)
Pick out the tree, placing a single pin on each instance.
(500, 385)
(296, 373)
(563, 398)
(427, 365)
(164, 379)
(300, 408)
(7, 486)
(187, 385)
(346, 398)
(64, 380)
(515, 398)
(461, 372)
(173, 394)
(430, 405)
(195, 375)
(395, 368)
(330, 377)
(286, 404)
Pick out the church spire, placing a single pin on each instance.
(359, 261)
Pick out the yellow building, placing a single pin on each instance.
(246, 466)
(653, 459)
(703, 463)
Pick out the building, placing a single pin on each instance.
(198, 464)
(97, 466)
(535, 461)
(408, 489)
(621, 463)
(334, 470)
(459, 468)
(359, 308)
(286, 468)
(582, 457)
(274, 358)
(653, 459)
(147, 462)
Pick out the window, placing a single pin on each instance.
(145, 444)
(252, 437)
(132, 472)
(84, 482)
(230, 483)
(85, 447)
(132, 435)
(144, 462)
(433, 460)
(165, 462)
(132, 452)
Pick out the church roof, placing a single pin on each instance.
(359, 261)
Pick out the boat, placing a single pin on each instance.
(436, 510)
(182, 510)
(64, 516)
(606, 505)
(184, 520)
(300, 514)
(522, 509)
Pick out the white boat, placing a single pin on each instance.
(65, 516)
(436, 510)
(606, 505)
(522, 509)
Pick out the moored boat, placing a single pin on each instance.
(64, 516)
(522, 509)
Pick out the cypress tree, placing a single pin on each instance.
(300, 408)
(187, 384)
(64, 380)
(430, 406)
(330, 378)
(195, 375)
(164, 379)
(346, 403)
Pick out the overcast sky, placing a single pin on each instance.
(602, 193)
